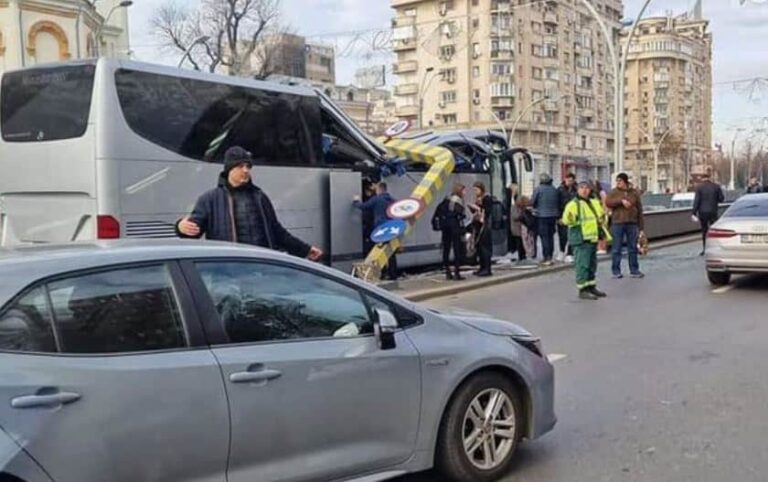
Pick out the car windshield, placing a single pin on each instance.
(748, 209)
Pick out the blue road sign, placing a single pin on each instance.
(389, 231)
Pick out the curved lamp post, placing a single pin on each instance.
(123, 4)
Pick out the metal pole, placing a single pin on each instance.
(732, 184)
(104, 23)
(618, 128)
(423, 90)
(520, 117)
(656, 160)
(620, 89)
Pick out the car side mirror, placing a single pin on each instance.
(385, 328)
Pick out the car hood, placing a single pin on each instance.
(485, 323)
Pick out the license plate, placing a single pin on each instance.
(754, 238)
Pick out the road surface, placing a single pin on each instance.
(663, 381)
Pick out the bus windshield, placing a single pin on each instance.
(46, 104)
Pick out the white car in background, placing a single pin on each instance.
(738, 242)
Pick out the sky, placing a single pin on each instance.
(740, 35)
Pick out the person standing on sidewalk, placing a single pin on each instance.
(378, 205)
(452, 227)
(586, 221)
(515, 223)
(546, 206)
(482, 227)
(627, 222)
(706, 206)
(567, 192)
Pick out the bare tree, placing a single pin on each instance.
(237, 32)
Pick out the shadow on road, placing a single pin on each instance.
(528, 456)
(753, 283)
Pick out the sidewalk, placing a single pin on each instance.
(434, 285)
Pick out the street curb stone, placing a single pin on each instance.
(456, 288)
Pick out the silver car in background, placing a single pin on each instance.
(188, 361)
(738, 242)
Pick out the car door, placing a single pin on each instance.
(104, 376)
(312, 397)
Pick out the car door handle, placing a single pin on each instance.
(255, 376)
(48, 400)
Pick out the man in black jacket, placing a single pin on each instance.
(567, 193)
(238, 211)
(706, 206)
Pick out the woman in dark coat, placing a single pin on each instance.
(453, 232)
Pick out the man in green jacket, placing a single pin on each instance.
(586, 223)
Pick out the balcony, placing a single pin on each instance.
(501, 6)
(407, 89)
(502, 54)
(551, 18)
(405, 66)
(407, 111)
(497, 32)
(502, 101)
(551, 106)
(404, 45)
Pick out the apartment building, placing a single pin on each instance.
(291, 55)
(668, 100)
(486, 63)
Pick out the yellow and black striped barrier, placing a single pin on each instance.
(441, 164)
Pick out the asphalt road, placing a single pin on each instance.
(663, 381)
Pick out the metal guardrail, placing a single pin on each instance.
(672, 222)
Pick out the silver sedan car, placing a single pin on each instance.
(191, 361)
(738, 242)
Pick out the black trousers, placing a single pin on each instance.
(452, 242)
(562, 236)
(485, 250)
(391, 269)
(706, 220)
(519, 247)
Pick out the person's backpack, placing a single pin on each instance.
(439, 219)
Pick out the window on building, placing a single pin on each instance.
(502, 68)
(447, 52)
(475, 71)
(476, 49)
(475, 23)
(537, 73)
(536, 27)
(549, 50)
(536, 50)
(537, 95)
(448, 75)
(502, 89)
(450, 119)
(551, 73)
(409, 12)
(448, 97)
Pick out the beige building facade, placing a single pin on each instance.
(483, 63)
(291, 55)
(34, 32)
(668, 101)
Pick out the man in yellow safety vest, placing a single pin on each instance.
(587, 224)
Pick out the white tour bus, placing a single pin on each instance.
(108, 148)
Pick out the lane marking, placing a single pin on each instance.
(723, 289)
(556, 357)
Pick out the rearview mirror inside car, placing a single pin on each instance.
(385, 328)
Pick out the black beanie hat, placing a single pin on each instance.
(235, 156)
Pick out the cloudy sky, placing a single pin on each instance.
(740, 44)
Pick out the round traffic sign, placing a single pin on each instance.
(398, 128)
(388, 231)
(406, 208)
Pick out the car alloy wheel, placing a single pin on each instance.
(489, 429)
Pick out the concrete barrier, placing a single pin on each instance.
(672, 222)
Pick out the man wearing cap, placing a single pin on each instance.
(586, 221)
(238, 211)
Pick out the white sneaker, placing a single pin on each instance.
(569, 259)
(560, 257)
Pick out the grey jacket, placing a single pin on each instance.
(546, 201)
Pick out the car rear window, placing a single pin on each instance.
(748, 208)
(46, 104)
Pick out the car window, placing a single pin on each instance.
(118, 311)
(260, 302)
(748, 208)
(25, 325)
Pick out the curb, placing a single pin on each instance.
(423, 295)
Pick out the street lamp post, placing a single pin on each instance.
(619, 69)
(200, 40)
(123, 4)
(423, 90)
(732, 184)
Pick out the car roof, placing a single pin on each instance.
(24, 265)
